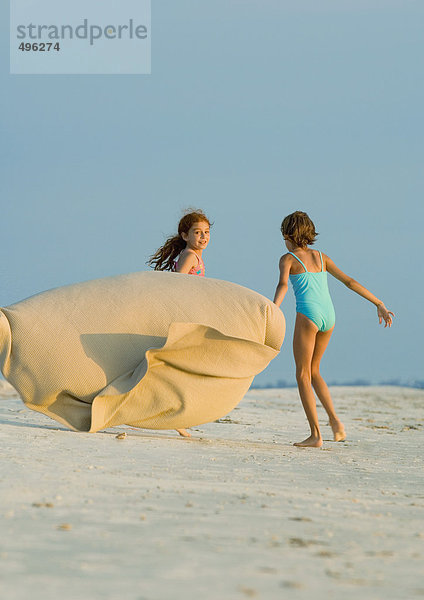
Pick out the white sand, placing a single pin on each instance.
(235, 512)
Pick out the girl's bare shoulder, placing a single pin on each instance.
(187, 260)
(286, 259)
(325, 258)
(188, 253)
(285, 263)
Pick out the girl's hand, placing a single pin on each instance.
(385, 314)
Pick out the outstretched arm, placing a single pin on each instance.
(353, 285)
(282, 285)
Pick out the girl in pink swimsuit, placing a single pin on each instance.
(182, 253)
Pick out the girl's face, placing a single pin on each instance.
(197, 237)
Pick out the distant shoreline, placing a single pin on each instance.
(418, 384)
(6, 387)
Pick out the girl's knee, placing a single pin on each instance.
(315, 375)
(303, 375)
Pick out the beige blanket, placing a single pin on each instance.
(153, 349)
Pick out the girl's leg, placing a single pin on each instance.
(183, 432)
(305, 332)
(320, 387)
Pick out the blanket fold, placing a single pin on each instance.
(196, 362)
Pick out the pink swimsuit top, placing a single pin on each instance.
(199, 270)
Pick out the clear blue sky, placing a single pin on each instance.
(254, 109)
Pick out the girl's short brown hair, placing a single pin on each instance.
(299, 229)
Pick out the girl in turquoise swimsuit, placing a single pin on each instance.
(307, 270)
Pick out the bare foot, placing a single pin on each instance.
(310, 442)
(339, 432)
(184, 432)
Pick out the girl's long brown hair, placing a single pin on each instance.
(163, 259)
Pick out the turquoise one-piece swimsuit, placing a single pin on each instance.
(313, 297)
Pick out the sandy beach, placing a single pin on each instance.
(234, 512)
